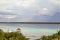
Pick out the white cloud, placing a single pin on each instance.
(9, 16)
(13, 3)
(22, 4)
(5, 4)
(44, 11)
(55, 1)
(2, 9)
(25, 3)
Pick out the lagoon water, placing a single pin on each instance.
(32, 31)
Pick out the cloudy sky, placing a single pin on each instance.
(30, 10)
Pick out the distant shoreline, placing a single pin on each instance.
(29, 22)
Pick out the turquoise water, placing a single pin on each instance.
(32, 30)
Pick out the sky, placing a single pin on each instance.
(29, 10)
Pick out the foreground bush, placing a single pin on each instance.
(55, 36)
(11, 36)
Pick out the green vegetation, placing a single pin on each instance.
(19, 36)
(12, 36)
(55, 36)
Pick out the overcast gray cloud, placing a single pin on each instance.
(29, 10)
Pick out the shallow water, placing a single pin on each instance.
(32, 31)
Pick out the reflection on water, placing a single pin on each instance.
(32, 30)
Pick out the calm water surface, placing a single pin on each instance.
(32, 30)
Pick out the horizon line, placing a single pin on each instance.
(30, 22)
